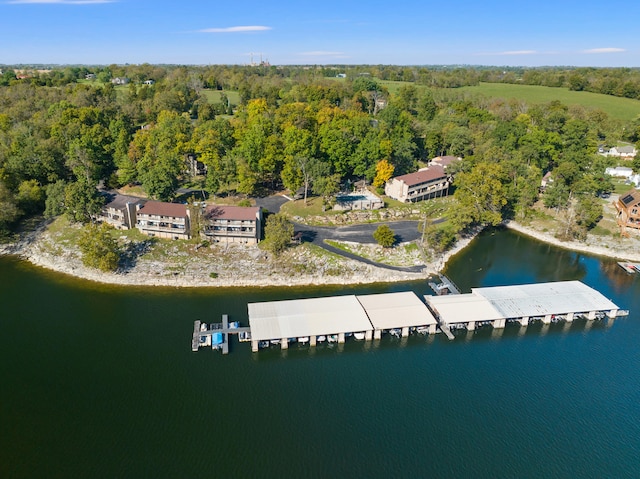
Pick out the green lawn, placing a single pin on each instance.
(213, 96)
(619, 108)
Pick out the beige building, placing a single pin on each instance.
(628, 206)
(232, 224)
(164, 220)
(120, 211)
(430, 182)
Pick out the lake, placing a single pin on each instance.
(100, 381)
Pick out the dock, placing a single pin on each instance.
(445, 286)
(337, 319)
(204, 337)
(629, 267)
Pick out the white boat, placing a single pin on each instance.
(321, 339)
(263, 344)
(359, 336)
(332, 338)
(275, 341)
(395, 332)
(422, 330)
(303, 340)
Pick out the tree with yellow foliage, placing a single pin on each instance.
(384, 171)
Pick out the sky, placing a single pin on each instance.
(400, 32)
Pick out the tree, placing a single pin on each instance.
(278, 232)
(82, 202)
(385, 236)
(99, 249)
(481, 195)
(55, 202)
(384, 171)
(9, 211)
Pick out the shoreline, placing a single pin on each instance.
(255, 273)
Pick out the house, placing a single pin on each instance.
(628, 206)
(547, 179)
(164, 220)
(444, 161)
(120, 81)
(120, 211)
(620, 171)
(232, 224)
(90, 76)
(149, 82)
(194, 166)
(422, 185)
(623, 151)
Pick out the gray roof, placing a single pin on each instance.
(307, 317)
(119, 202)
(396, 310)
(540, 299)
(527, 300)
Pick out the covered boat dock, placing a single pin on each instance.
(402, 310)
(521, 303)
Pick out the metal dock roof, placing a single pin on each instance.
(396, 310)
(462, 308)
(518, 301)
(540, 299)
(307, 317)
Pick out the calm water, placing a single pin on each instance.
(101, 382)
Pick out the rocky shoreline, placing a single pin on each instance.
(242, 265)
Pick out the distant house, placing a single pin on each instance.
(341, 75)
(90, 76)
(628, 206)
(547, 179)
(120, 211)
(232, 224)
(620, 171)
(444, 161)
(164, 220)
(424, 184)
(120, 81)
(194, 166)
(149, 82)
(623, 151)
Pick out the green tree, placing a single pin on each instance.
(82, 202)
(481, 195)
(9, 211)
(384, 236)
(55, 201)
(278, 232)
(99, 249)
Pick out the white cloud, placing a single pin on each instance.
(62, 2)
(518, 52)
(238, 29)
(604, 50)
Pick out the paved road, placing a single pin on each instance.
(404, 230)
(363, 233)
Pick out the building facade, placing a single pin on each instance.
(164, 220)
(120, 211)
(628, 206)
(430, 182)
(232, 224)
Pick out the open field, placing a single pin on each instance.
(624, 109)
(213, 96)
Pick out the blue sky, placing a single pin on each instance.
(402, 32)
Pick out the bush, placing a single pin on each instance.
(99, 249)
(385, 236)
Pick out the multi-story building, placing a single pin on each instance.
(430, 182)
(120, 211)
(232, 224)
(628, 206)
(164, 220)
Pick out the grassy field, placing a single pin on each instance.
(213, 96)
(619, 108)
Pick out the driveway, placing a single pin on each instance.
(271, 203)
(405, 231)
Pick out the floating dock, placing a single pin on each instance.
(629, 267)
(216, 335)
(368, 317)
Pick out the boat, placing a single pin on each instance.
(203, 327)
(263, 344)
(321, 339)
(359, 336)
(275, 341)
(234, 325)
(332, 338)
(303, 339)
(422, 330)
(395, 332)
(622, 312)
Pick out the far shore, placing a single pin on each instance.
(248, 272)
